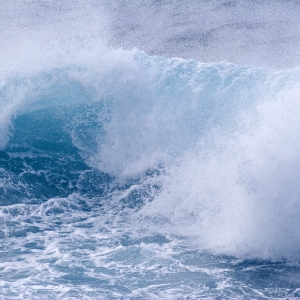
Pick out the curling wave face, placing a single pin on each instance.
(224, 139)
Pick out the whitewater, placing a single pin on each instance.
(149, 149)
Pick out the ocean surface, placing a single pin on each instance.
(149, 149)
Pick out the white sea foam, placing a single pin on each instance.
(241, 198)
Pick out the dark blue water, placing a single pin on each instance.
(127, 173)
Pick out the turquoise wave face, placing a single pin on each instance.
(128, 105)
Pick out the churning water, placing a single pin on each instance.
(149, 149)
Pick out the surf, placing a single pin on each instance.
(144, 163)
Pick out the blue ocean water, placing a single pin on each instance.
(149, 150)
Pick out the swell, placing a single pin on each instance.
(210, 149)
